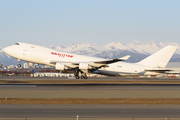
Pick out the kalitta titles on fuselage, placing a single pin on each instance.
(62, 55)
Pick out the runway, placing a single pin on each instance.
(89, 86)
(89, 91)
(109, 78)
(89, 111)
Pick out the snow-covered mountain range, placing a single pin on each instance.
(138, 50)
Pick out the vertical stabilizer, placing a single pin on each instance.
(160, 58)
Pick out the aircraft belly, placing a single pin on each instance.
(106, 72)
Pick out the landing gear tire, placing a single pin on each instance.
(85, 77)
(82, 76)
(75, 74)
(79, 74)
(77, 77)
(19, 65)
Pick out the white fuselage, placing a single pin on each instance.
(126, 69)
(41, 55)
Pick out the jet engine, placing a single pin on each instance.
(60, 66)
(85, 67)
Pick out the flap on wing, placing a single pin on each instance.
(113, 60)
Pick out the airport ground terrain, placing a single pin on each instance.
(93, 80)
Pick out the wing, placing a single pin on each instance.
(90, 64)
(104, 62)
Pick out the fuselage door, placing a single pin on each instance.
(24, 52)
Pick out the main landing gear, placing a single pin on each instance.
(79, 74)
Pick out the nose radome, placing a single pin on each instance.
(4, 49)
(8, 50)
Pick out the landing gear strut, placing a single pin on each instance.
(19, 65)
(77, 77)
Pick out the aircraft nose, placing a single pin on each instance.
(8, 50)
(4, 49)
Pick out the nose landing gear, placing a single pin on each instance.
(19, 65)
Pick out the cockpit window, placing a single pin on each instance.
(16, 43)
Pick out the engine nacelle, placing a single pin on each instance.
(84, 66)
(60, 66)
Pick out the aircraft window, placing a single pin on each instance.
(16, 43)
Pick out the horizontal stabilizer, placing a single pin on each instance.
(113, 60)
(158, 70)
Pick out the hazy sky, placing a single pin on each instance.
(66, 22)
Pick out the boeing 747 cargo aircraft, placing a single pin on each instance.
(81, 64)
